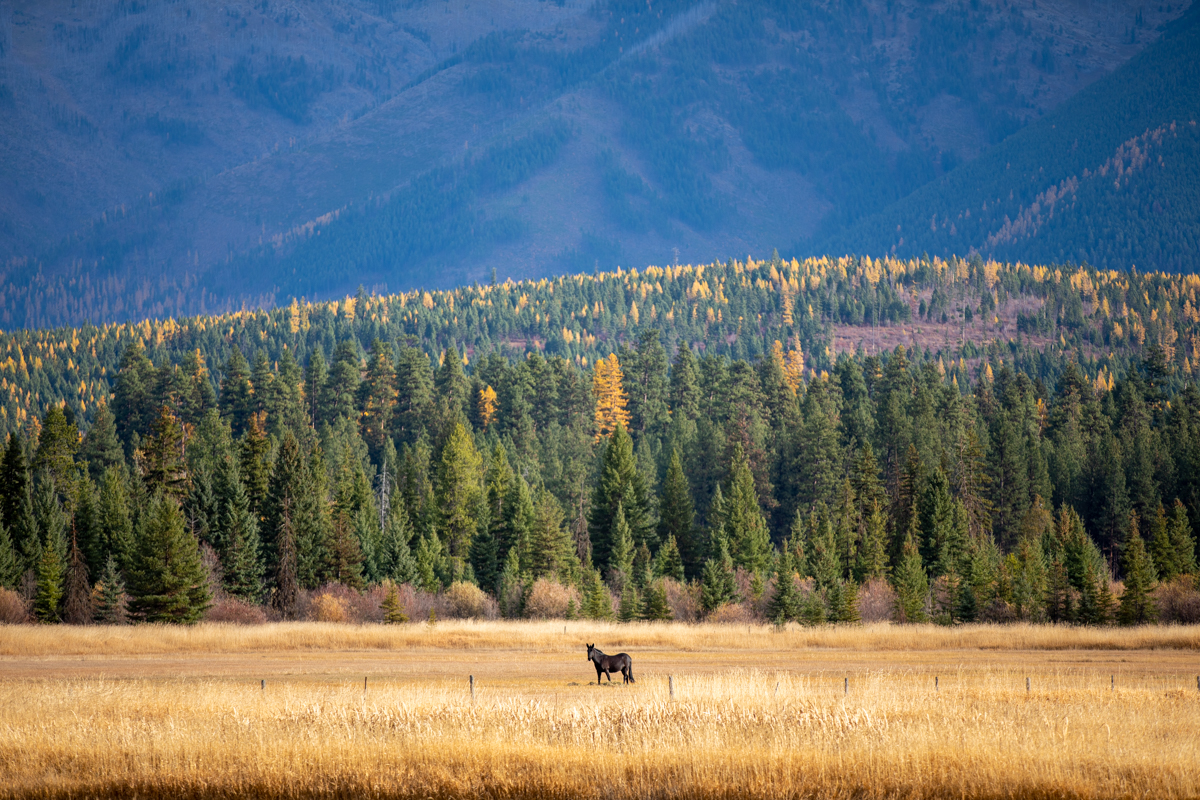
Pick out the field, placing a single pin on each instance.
(311, 710)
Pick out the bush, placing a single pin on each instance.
(327, 607)
(13, 608)
(236, 611)
(876, 601)
(738, 613)
(468, 601)
(684, 599)
(549, 599)
(1178, 601)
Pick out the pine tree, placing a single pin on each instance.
(77, 599)
(58, 442)
(115, 525)
(1137, 606)
(10, 566)
(393, 612)
(377, 398)
(286, 585)
(718, 585)
(553, 553)
(239, 543)
(236, 393)
(621, 484)
(162, 454)
(49, 593)
(668, 564)
(597, 603)
(911, 582)
(1182, 542)
(510, 592)
(629, 606)
(14, 488)
(647, 387)
(1161, 550)
(110, 601)
(623, 551)
(131, 394)
(785, 602)
(429, 558)
(655, 607)
(459, 491)
(677, 518)
(396, 561)
(345, 552)
(167, 580)
(749, 540)
(101, 447)
(872, 555)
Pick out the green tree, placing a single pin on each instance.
(676, 518)
(655, 607)
(597, 602)
(629, 606)
(10, 566)
(167, 581)
(58, 442)
(236, 402)
(163, 464)
(1137, 606)
(393, 612)
(785, 602)
(1182, 542)
(668, 564)
(621, 485)
(745, 527)
(111, 603)
(460, 493)
(718, 585)
(101, 447)
(377, 398)
(911, 582)
(243, 569)
(49, 593)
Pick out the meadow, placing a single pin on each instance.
(319, 710)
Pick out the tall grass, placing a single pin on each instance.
(19, 640)
(740, 733)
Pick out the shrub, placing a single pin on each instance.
(468, 601)
(1178, 601)
(738, 613)
(13, 608)
(327, 607)
(236, 611)
(548, 599)
(876, 600)
(684, 599)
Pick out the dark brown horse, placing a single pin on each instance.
(621, 663)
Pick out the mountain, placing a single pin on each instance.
(1110, 178)
(168, 157)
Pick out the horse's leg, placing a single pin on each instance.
(597, 674)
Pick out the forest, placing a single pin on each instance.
(680, 442)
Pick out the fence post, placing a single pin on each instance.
(471, 679)
(846, 685)
(264, 685)
(1112, 683)
(364, 684)
(935, 684)
(671, 685)
(1027, 683)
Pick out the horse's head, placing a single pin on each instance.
(591, 648)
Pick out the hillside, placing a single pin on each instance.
(172, 158)
(1110, 178)
(676, 432)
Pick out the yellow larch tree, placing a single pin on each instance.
(608, 385)
(487, 406)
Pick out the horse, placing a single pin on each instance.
(621, 663)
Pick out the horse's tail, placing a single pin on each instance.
(629, 661)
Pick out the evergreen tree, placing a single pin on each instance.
(14, 486)
(553, 553)
(240, 556)
(377, 398)
(1161, 549)
(1137, 606)
(314, 388)
(684, 388)
(749, 541)
(872, 555)
(77, 597)
(1183, 544)
(58, 442)
(623, 551)
(163, 465)
(284, 579)
(509, 592)
(285, 490)
(676, 518)
(101, 447)
(655, 607)
(396, 561)
(429, 558)
(393, 613)
(131, 395)
(785, 602)
(49, 593)
(647, 387)
(414, 400)
(345, 552)
(10, 566)
(460, 491)
(110, 606)
(167, 581)
(597, 602)
(621, 485)
(115, 526)
(668, 564)
(718, 585)
(629, 606)
(338, 399)
(236, 394)
(912, 584)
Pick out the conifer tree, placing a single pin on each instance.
(1137, 606)
(414, 399)
(510, 592)
(647, 387)
(396, 561)
(236, 401)
(676, 518)
(460, 491)
(243, 569)
(10, 567)
(164, 466)
(749, 541)
(668, 564)
(111, 603)
(284, 490)
(911, 582)
(608, 387)
(341, 385)
(345, 553)
(623, 551)
(621, 484)
(872, 555)
(314, 387)
(14, 487)
(131, 394)
(101, 447)
(429, 558)
(377, 398)
(115, 527)
(393, 613)
(1160, 549)
(552, 552)
(77, 597)
(285, 583)
(629, 606)
(718, 585)
(167, 580)
(1183, 544)
(597, 602)
(785, 602)
(49, 592)
(655, 607)
(684, 388)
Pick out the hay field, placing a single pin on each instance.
(827, 712)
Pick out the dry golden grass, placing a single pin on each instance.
(181, 713)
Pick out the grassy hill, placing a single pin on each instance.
(170, 158)
(1109, 178)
